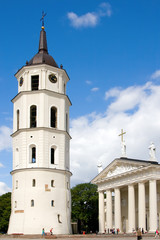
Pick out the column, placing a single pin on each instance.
(101, 212)
(153, 205)
(109, 210)
(117, 208)
(141, 206)
(131, 208)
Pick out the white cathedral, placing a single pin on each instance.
(129, 193)
(41, 144)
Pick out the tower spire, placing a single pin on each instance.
(42, 57)
(43, 42)
(43, 39)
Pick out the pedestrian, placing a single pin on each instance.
(43, 232)
(51, 231)
(139, 234)
(156, 233)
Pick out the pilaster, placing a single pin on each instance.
(101, 212)
(117, 208)
(141, 205)
(109, 209)
(153, 205)
(131, 208)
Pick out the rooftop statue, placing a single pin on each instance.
(152, 152)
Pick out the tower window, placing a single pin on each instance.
(15, 204)
(66, 122)
(34, 82)
(52, 183)
(17, 119)
(33, 182)
(16, 184)
(59, 218)
(52, 203)
(33, 160)
(52, 155)
(53, 117)
(33, 116)
(32, 203)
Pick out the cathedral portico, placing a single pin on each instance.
(131, 190)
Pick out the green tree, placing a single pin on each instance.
(85, 206)
(5, 211)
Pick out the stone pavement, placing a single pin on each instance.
(78, 237)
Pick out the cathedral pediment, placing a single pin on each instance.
(120, 167)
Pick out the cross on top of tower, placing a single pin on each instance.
(121, 134)
(42, 19)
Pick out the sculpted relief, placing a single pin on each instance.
(120, 170)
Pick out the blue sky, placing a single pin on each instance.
(110, 49)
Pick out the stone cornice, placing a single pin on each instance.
(41, 169)
(54, 130)
(49, 92)
(40, 66)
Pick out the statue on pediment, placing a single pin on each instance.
(152, 152)
(123, 149)
(99, 166)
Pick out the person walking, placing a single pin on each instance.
(139, 234)
(156, 233)
(51, 231)
(43, 232)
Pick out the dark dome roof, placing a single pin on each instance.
(42, 57)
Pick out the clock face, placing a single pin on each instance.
(21, 81)
(53, 78)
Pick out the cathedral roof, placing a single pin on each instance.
(42, 57)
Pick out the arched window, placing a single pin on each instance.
(52, 183)
(66, 121)
(16, 158)
(34, 82)
(16, 184)
(32, 203)
(33, 182)
(17, 119)
(33, 154)
(33, 116)
(53, 117)
(52, 156)
(52, 203)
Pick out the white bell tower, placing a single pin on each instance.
(41, 144)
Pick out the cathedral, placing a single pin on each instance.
(129, 194)
(41, 145)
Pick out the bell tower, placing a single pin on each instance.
(41, 144)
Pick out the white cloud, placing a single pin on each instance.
(105, 9)
(88, 82)
(4, 188)
(86, 20)
(95, 136)
(95, 89)
(155, 75)
(5, 139)
(1, 165)
(90, 19)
